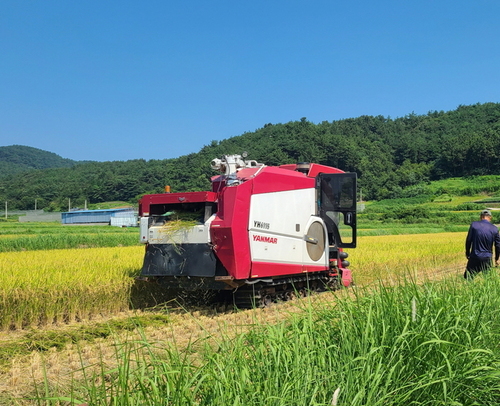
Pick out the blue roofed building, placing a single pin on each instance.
(125, 217)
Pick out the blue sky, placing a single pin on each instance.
(119, 80)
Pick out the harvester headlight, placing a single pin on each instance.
(216, 163)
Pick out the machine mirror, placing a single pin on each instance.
(346, 229)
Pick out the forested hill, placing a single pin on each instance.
(393, 158)
(19, 158)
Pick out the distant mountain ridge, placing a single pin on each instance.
(393, 158)
(16, 159)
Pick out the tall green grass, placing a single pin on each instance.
(51, 228)
(378, 229)
(430, 344)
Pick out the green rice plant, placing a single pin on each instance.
(65, 241)
(373, 230)
(430, 344)
(41, 236)
(57, 228)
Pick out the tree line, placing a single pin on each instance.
(20, 158)
(392, 157)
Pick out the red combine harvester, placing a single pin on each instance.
(263, 233)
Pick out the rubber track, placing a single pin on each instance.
(263, 294)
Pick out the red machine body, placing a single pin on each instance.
(272, 226)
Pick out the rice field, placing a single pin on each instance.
(411, 331)
(52, 286)
(434, 343)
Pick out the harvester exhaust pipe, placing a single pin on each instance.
(303, 167)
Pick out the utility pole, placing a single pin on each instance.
(69, 204)
(6, 210)
(35, 204)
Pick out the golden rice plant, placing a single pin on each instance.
(180, 221)
(174, 226)
(40, 287)
(52, 286)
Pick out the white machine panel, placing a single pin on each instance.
(199, 234)
(143, 227)
(277, 226)
(264, 247)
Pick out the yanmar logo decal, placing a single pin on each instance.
(261, 238)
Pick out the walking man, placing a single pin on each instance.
(481, 237)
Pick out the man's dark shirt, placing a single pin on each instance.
(480, 239)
